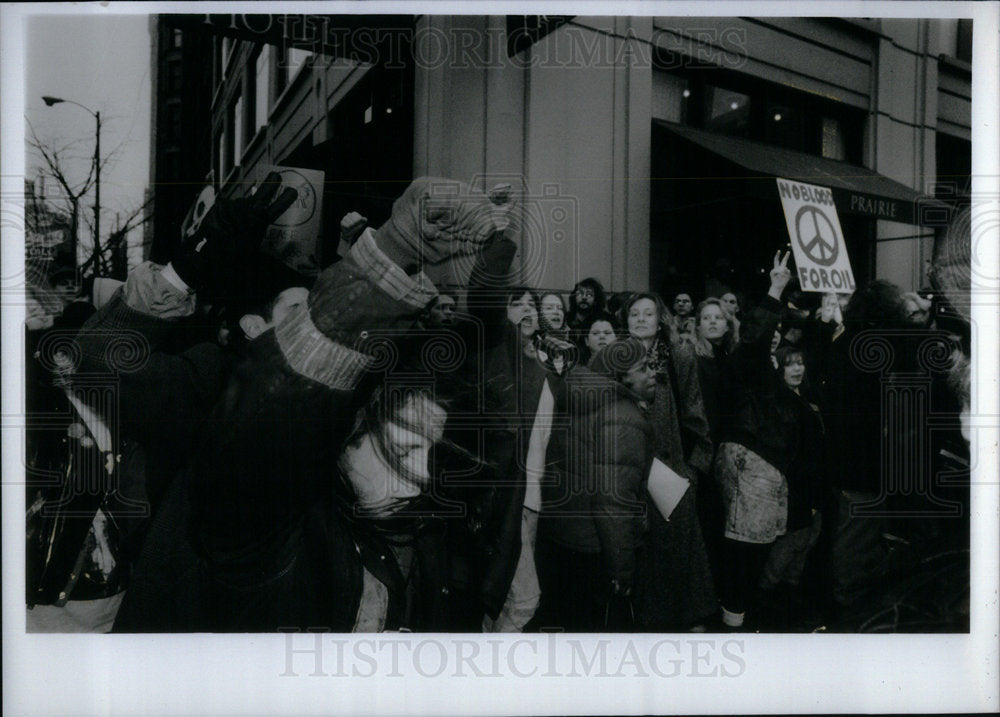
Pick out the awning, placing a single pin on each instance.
(856, 190)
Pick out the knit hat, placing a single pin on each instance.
(432, 220)
(618, 357)
(436, 218)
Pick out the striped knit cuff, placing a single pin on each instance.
(415, 291)
(313, 355)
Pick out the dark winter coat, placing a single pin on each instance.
(176, 589)
(674, 587)
(853, 413)
(715, 385)
(598, 461)
(499, 411)
(781, 426)
(768, 418)
(264, 462)
(161, 399)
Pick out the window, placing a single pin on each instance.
(735, 105)
(262, 88)
(227, 51)
(963, 47)
(671, 96)
(785, 126)
(290, 61)
(834, 143)
(221, 162)
(296, 59)
(237, 126)
(175, 76)
(954, 167)
(174, 122)
(726, 111)
(177, 39)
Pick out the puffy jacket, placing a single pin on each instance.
(598, 461)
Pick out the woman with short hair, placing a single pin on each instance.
(674, 588)
(594, 503)
(601, 330)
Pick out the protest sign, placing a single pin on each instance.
(294, 236)
(817, 240)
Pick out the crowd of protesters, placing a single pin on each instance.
(372, 450)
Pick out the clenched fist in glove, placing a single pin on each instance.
(437, 219)
(232, 230)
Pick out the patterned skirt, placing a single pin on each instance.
(755, 494)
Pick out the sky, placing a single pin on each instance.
(104, 64)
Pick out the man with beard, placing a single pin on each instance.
(586, 301)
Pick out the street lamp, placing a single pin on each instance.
(49, 101)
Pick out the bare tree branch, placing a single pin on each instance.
(54, 160)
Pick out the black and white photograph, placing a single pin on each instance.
(397, 358)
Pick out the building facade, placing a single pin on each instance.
(180, 153)
(648, 146)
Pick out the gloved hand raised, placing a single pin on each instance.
(437, 219)
(232, 229)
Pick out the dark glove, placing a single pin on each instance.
(232, 229)
(493, 264)
(351, 227)
(619, 615)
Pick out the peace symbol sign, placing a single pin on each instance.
(816, 235)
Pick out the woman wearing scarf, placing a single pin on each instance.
(674, 588)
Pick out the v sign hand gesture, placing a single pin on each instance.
(780, 275)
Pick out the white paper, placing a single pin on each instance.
(666, 487)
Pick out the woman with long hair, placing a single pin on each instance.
(674, 589)
(716, 335)
(552, 314)
(764, 446)
(717, 332)
(503, 503)
(780, 581)
(856, 418)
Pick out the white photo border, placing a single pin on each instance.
(231, 674)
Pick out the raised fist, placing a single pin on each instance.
(351, 226)
(231, 229)
(437, 219)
